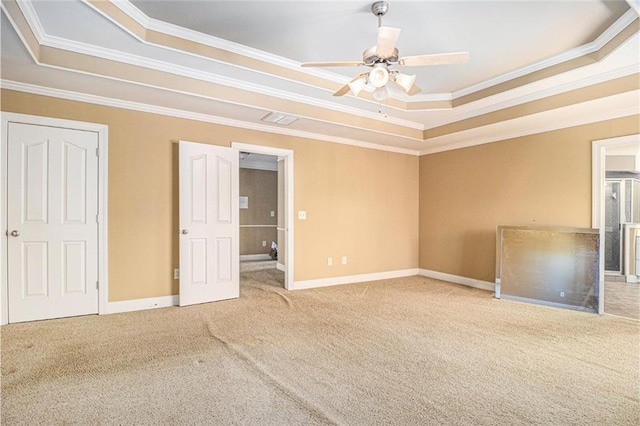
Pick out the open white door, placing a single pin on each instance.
(209, 217)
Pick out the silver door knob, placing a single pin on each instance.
(185, 232)
(15, 233)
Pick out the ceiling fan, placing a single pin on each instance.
(383, 55)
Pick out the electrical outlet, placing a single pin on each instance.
(329, 261)
(264, 244)
(176, 274)
(302, 215)
(562, 294)
(273, 214)
(344, 260)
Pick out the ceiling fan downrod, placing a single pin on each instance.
(380, 8)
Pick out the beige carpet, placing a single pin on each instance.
(409, 351)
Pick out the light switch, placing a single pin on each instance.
(273, 214)
(302, 215)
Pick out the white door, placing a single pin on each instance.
(52, 207)
(209, 218)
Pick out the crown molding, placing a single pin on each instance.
(114, 55)
(30, 15)
(171, 112)
(536, 123)
(541, 94)
(149, 23)
(176, 31)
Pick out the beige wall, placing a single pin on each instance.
(542, 179)
(360, 203)
(261, 187)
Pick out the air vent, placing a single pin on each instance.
(275, 117)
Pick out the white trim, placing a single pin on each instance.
(456, 279)
(171, 112)
(30, 15)
(538, 124)
(212, 41)
(102, 132)
(280, 267)
(170, 68)
(253, 257)
(352, 279)
(289, 180)
(598, 154)
(143, 304)
(635, 4)
(539, 94)
(259, 165)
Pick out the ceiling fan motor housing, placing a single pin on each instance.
(370, 57)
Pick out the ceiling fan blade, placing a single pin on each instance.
(414, 90)
(437, 59)
(342, 91)
(386, 42)
(331, 64)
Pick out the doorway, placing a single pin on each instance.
(283, 214)
(261, 203)
(616, 212)
(53, 195)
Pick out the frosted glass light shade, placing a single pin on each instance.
(405, 81)
(357, 85)
(380, 94)
(379, 76)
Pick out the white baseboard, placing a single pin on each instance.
(351, 279)
(471, 282)
(142, 304)
(249, 257)
(280, 267)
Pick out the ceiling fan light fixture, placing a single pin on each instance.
(380, 94)
(405, 80)
(379, 76)
(357, 85)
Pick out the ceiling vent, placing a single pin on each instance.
(275, 117)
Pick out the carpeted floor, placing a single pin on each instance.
(409, 351)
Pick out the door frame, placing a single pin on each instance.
(102, 130)
(598, 155)
(287, 156)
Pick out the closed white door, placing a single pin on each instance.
(209, 219)
(52, 207)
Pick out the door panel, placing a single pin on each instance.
(52, 193)
(209, 238)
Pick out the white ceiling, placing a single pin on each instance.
(506, 40)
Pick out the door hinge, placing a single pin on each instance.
(97, 218)
(97, 152)
(97, 285)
